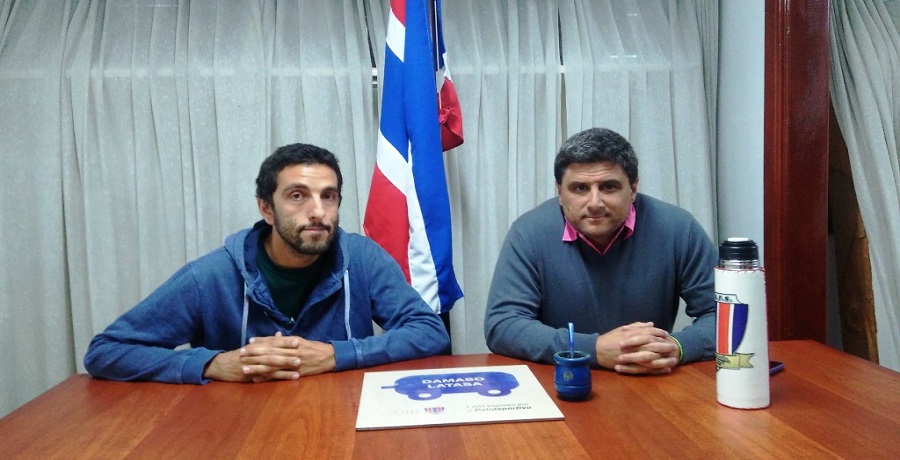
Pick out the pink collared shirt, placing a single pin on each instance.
(570, 234)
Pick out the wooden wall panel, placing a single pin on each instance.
(796, 167)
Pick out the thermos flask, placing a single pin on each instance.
(742, 343)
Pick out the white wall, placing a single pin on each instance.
(740, 119)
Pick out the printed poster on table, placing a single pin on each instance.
(395, 399)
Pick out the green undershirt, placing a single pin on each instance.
(290, 287)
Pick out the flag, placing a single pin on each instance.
(731, 319)
(408, 212)
(449, 111)
(731, 327)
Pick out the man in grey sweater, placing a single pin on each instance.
(608, 259)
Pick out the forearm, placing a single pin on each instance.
(510, 332)
(115, 360)
(698, 292)
(389, 347)
(419, 336)
(140, 344)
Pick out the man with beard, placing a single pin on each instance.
(294, 295)
(610, 260)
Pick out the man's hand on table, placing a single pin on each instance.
(637, 348)
(275, 357)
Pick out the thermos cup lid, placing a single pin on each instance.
(742, 249)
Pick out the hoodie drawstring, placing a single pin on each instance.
(244, 318)
(347, 303)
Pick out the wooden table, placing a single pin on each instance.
(826, 404)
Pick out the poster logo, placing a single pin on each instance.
(424, 387)
(731, 325)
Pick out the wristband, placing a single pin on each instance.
(680, 349)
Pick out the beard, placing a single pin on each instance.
(301, 245)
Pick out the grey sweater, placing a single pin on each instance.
(541, 283)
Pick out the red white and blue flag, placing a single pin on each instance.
(408, 212)
(731, 321)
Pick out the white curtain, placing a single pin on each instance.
(504, 58)
(35, 314)
(865, 91)
(636, 66)
(131, 132)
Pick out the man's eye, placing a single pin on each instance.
(609, 187)
(330, 197)
(296, 196)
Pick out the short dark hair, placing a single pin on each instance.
(596, 145)
(289, 155)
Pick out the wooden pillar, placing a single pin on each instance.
(796, 167)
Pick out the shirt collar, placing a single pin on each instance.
(571, 234)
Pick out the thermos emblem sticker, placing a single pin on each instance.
(731, 324)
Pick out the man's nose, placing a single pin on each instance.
(595, 198)
(317, 210)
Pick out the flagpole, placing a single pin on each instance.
(436, 64)
(436, 56)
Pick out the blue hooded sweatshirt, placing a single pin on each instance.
(219, 301)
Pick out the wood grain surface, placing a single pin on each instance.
(825, 404)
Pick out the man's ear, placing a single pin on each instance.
(634, 189)
(266, 211)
